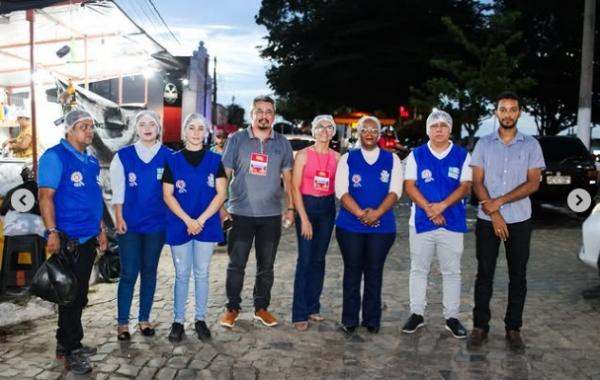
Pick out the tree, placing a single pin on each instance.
(482, 67)
(363, 54)
(552, 32)
(235, 115)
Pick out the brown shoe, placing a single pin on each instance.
(515, 342)
(316, 318)
(477, 338)
(229, 317)
(301, 326)
(265, 317)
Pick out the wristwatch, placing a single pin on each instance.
(51, 230)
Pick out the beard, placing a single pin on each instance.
(507, 125)
(263, 124)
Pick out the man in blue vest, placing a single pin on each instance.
(437, 179)
(71, 206)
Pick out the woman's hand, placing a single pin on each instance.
(306, 229)
(121, 227)
(193, 226)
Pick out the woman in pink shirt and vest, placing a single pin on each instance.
(314, 198)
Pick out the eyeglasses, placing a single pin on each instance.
(371, 131)
(321, 128)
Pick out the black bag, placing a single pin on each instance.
(55, 281)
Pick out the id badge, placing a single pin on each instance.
(258, 164)
(321, 180)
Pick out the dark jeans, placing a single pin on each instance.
(517, 255)
(139, 254)
(310, 267)
(266, 232)
(363, 255)
(70, 331)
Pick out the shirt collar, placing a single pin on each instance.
(153, 149)
(83, 157)
(446, 151)
(518, 137)
(251, 135)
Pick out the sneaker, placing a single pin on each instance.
(348, 330)
(515, 342)
(456, 328)
(265, 317)
(177, 331)
(591, 293)
(229, 317)
(477, 338)
(78, 363)
(415, 321)
(373, 329)
(85, 350)
(202, 330)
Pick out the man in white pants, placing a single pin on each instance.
(437, 179)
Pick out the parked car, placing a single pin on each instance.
(299, 142)
(569, 165)
(590, 229)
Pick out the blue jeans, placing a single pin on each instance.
(310, 268)
(139, 254)
(363, 255)
(193, 254)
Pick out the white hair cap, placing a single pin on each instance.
(318, 119)
(75, 116)
(23, 113)
(438, 116)
(196, 116)
(361, 123)
(149, 114)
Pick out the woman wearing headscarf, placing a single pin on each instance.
(136, 180)
(313, 183)
(194, 189)
(368, 182)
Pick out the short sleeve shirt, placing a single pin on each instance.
(505, 167)
(251, 194)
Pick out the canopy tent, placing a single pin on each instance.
(98, 40)
(80, 40)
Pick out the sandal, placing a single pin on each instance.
(301, 326)
(316, 318)
(146, 329)
(123, 333)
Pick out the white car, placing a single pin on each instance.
(591, 238)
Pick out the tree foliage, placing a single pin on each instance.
(235, 115)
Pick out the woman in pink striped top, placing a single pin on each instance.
(314, 199)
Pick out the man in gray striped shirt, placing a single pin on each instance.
(506, 170)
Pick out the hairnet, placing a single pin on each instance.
(361, 123)
(318, 119)
(149, 114)
(75, 116)
(438, 116)
(191, 118)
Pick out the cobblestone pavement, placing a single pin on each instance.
(562, 331)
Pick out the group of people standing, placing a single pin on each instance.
(177, 198)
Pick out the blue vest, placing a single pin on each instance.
(436, 180)
(194, 188)
(78, 198)
(368, 185)
(143, 209)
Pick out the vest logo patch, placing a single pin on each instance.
(159, 173)
(132, 179)
(453, 172)
(384, 176)
(426, 175)
(77, 179)
(356, 179)
(180, 185)
(211, 180)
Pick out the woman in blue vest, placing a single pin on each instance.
(194, 189)
(136, 180)
(368, 182)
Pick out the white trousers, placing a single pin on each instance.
(449, 247)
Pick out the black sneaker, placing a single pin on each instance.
(176, 333)
(456, 328)
(202, 330)
(591, 293)
(78, 363)
(415, 321)
(85, 350)
(348, 330)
